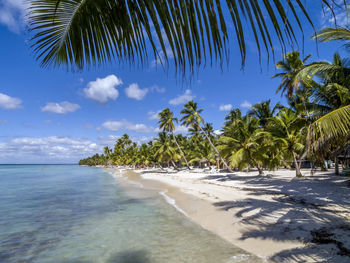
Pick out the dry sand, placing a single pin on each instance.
(277, 217)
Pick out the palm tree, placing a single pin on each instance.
(232, 116)
(209, 130)
(107, 151)
(288, 131)
(203, 152)
(82, 33)
(246, 148)
(191, 117)
(263, 112)
(165, 151)
(331, 102)
(291, 65)
(334, 125)
(166, 123)
(334, 34)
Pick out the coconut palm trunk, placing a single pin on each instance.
(182, 153)
(260, 169)
(173, 164)
(297, 166)
(216, 150)
(336, 163)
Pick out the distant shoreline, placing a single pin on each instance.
(39, 164)
(274, 217)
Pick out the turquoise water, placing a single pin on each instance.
(72, 214)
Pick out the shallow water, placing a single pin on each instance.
(72, 214)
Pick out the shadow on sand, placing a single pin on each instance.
(312, 210)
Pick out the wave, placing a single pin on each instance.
(172, 202)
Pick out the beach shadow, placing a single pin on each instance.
(313, 211)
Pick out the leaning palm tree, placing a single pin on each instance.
(81, 33)
(332, 100)
(191, 117)
(166, 124)
(334, 125)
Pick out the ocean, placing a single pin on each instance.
(72, 214)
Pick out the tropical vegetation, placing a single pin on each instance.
(78, 34)
(313, 127)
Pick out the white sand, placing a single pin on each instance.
(272, 216)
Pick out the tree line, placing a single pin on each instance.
(314, 126)
(266, 137)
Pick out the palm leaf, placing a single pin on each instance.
(334, 34)
(81, 33)
(332, 126)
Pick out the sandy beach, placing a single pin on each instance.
(277, 217)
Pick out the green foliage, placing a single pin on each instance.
(80, 33)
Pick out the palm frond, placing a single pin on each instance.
(81, 33)
(332, 126)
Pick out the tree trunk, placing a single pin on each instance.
(297, 167)
(313, 168)
(323, 165)
(216, 150)
(173, 163)
(261, 171)
(183, 155)
(256, 164)
(336, 163)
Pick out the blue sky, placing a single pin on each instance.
(57, 116)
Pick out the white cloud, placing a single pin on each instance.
(60, 108)
(9, 103)
(339, 18)
(153, 115)
(246, 104)
(134, 92)
(110, 140)
(225, 107)
(53, 149)
(187, 96)
(102, 90)
(127, 126)
(158, 89)
(12, 14)
(181, 129)
(218, 132)
(161, 59)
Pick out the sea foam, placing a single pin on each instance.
(172, 202)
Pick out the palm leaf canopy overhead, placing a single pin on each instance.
(81, 33)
